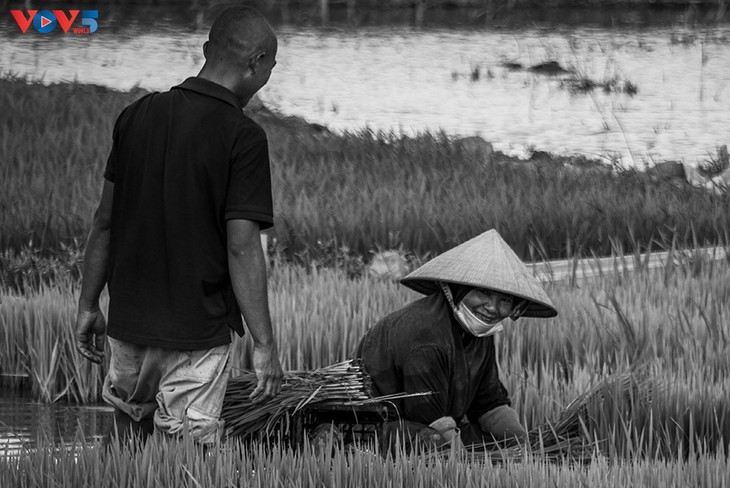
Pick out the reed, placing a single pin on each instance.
(29, 269)
(355, 192)
(665, 324)
(166, 462)
(39, 344)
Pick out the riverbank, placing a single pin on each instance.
(489, 7)
(411, 4)
(434, 12)
(342, 196)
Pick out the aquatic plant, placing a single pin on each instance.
(659, 324)
(29, 268)
(181, 463)
(358, 191)
(715, 165)
(584, 84)
(39, 344)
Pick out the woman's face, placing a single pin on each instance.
(490, 306)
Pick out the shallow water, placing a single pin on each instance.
(24, 422)
(445, 77)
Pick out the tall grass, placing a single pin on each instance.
(163, 462)
(375, 190)
(38, 342)
(358, 191)
(53, 145)
(665, 327)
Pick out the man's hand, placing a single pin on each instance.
(268, 372)
(91, 334)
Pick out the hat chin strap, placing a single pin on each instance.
(447, 291)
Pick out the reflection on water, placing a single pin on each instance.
(23, 422)
(406, 79)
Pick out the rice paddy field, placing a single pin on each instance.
(665, 328)
(343, 195)
(653, 343)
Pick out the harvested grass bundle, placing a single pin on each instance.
(621, 396)
(345, 383)
(586, 425)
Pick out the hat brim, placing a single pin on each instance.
(487, 262)
(536, 309)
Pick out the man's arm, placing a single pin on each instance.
(90, 322)
(247, 267)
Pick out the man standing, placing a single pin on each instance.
(176, 237)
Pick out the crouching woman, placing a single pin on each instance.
(444, 344)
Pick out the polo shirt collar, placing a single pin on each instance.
(211, 89)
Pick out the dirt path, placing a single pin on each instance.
(567, 269)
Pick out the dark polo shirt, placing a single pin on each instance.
(422, 348)
(183, 162)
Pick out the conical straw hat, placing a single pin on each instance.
(485, 261)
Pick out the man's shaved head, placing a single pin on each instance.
(240, 52)
(237, 33)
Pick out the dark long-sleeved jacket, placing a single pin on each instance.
(422, 347)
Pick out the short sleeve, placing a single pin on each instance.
(249, 185)
(490, 393)
(426, 370)
(111, 162)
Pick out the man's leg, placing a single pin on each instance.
(191, 393)
(130, 387)
(127, 428)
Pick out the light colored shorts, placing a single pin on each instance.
(182, 389)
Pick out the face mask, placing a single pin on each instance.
(470, 322)
(473, 324)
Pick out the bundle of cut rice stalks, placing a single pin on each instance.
(583, 426)
(346, 383)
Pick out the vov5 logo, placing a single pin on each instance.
(46, 21)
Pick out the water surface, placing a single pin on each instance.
(445, 77)
(24, 422)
